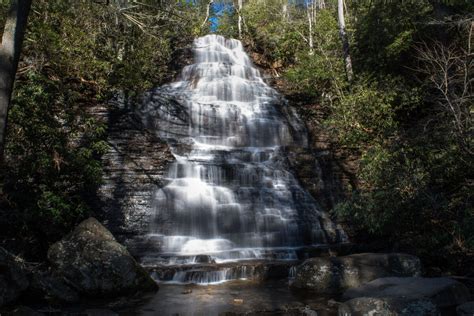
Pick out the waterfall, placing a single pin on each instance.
(230, 194)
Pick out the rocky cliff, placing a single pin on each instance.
(133, 169)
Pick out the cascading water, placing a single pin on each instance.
(230, 193)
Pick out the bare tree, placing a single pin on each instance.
(345, 41)
(449, 71)
(10, 50)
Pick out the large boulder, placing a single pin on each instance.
(92, 262)
(404, 296)
(45, 286)
(13, 277)
(333, 275)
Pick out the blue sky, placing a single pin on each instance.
(219, 9)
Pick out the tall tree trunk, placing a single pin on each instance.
(284, 11)
(208, 12)
(309, 13)
(345, 41)
(240, 18)
(10, 50)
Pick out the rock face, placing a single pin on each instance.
(404, 296)
(13, 278)
(335, 274)
(92, 262)
(133, 170)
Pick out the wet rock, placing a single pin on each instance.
(466, 309)
(204, 259)
(335, 274)
(308, 312)
(257, 270)
(13, 278)
(405, 296)
(93, 263)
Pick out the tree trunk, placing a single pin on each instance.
(240, 17)
(10, 50)
(284, 11)
(208, 12)
(345, 41)
(310, 28)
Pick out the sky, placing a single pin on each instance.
(219, 10)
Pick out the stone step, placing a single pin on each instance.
(214, 273)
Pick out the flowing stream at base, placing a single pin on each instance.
(230, 196)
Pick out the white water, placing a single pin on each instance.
(230, 193)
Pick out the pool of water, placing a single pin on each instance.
(231, 298)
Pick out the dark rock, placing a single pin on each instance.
(333, 275)
(466, 309)
(100, 312)
(24, 311)
(204, 259)
(51, 288)
(444, 292)
(388, 306)
(13, 277)
(405, 296)
(92, 262)
(468, 282)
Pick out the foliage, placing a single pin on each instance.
(407, 114)
(76, 56)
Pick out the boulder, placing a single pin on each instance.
(404, 296)
(333, 275)
(466, 309)
(13, 277)
(92, 262)
(388, 306)
(45, 286)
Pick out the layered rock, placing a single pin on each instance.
(13, 277)
(335, 274)
(133, 169)
(404, 296)
(209, 273)
(92, 262)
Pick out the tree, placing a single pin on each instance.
(345, 41)
(10, 50)
(239, 10)
(310, 13)
(208, 12)
(448, 71)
